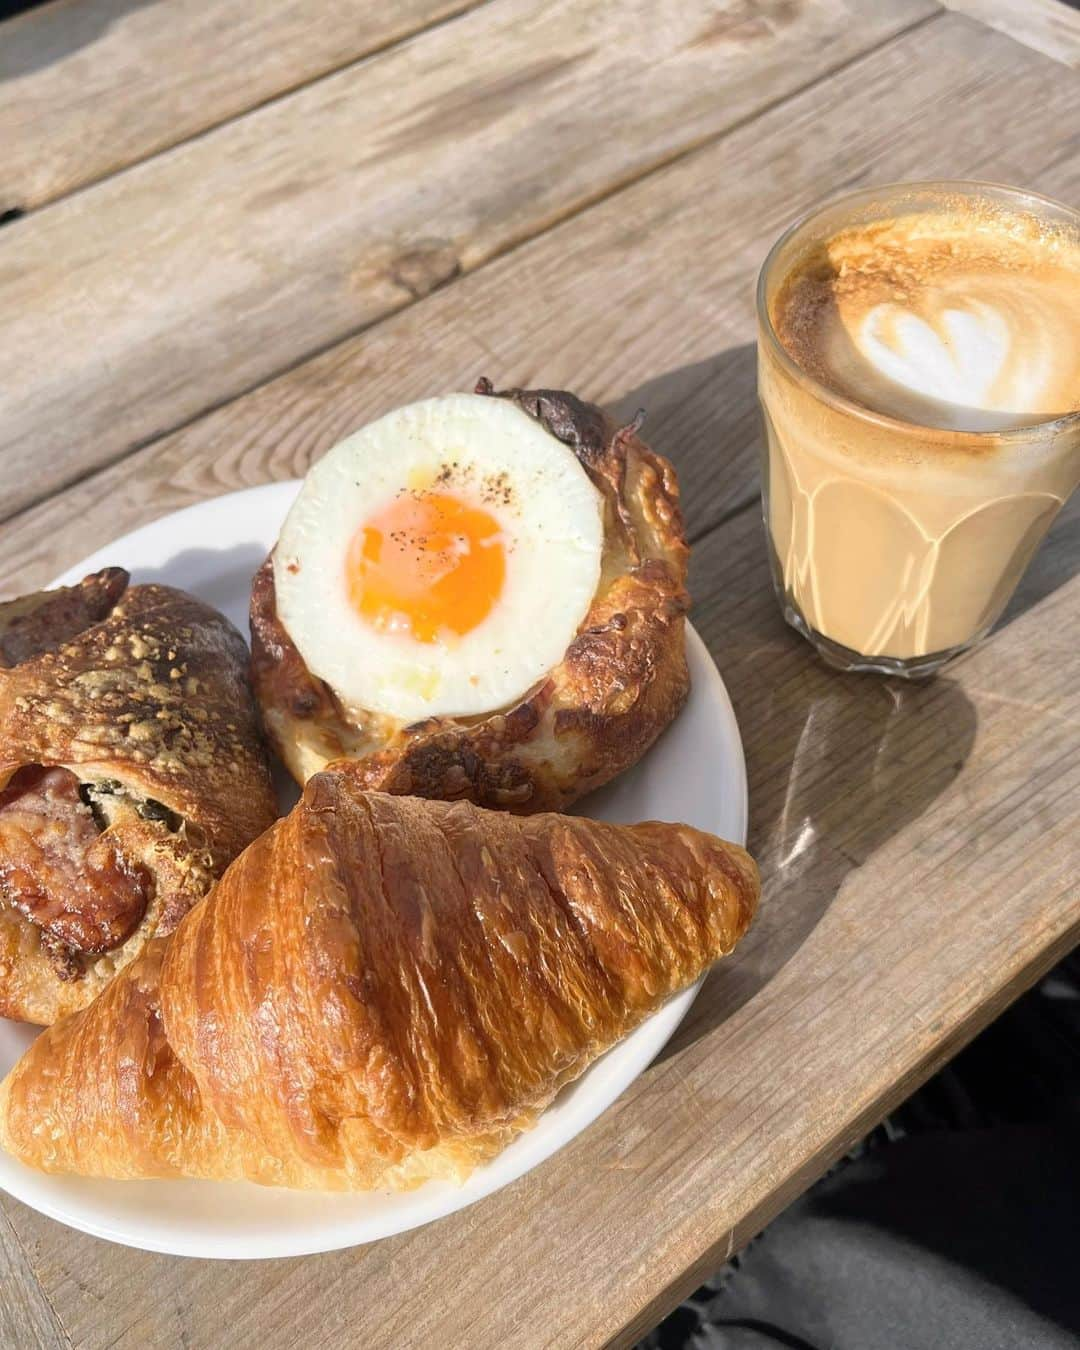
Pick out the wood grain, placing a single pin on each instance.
(645, 300)
(918, 844)
(158, 293)
(27, 1321)
(88, 87)
(1049, 26)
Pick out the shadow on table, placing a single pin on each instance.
(837, 764)
(1056, 562)
(704, 418)
(858, 772)
(59, 32)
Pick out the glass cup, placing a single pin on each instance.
(895, 546)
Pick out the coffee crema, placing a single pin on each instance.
(898, 534)
(960, 319)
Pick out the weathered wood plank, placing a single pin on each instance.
(27, 1321)
(88, 87)
(158, 293)
(645, 300)
(1049, 26)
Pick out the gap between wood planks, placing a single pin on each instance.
(1048, 26)
(18, 211)
(558, 218)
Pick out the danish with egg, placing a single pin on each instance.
(479, 596)
(131, 772)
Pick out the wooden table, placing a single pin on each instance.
(237, 231)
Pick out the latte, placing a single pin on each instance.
(919, 372)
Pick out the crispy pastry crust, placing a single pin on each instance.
(378, 991)
(622, 680)
(152, 696)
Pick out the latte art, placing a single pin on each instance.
(958, 356)
(933, 321)
(968, 358)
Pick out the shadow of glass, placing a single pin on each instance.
(1056, 562)
(704, 418)
(837, 765)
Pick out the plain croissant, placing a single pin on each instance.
(379, 990)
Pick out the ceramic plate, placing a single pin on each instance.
(695, 773)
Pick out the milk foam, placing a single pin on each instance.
(959, 359)
(938, 321)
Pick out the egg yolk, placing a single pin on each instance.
(426, 565)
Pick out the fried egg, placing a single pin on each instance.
(440, 560)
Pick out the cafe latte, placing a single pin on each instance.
(919, 373)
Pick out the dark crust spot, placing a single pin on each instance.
(452, 766)
(40, 623)
(578, 424)
(67, 964)
(278, 669)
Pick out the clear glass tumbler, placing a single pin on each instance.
(895, 546)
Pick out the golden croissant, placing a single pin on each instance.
(379, 990)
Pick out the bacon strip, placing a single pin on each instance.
(58, 869)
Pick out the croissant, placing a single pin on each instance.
(131, 772)
(379, 990)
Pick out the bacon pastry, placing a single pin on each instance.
(379, 990)
(131, 773)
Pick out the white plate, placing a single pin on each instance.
(695, 773)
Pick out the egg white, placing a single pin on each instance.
(552, 522)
